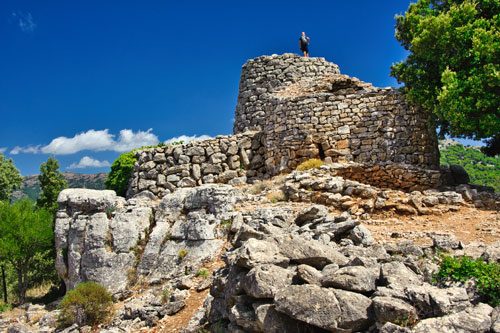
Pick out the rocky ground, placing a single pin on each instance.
(304, 252)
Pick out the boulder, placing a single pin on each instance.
(432, 301)
(471, 320)
(397, 274)
(309, 274)
(311, 214)
(264, 280)
(356, 311)
(388, 309)
(309, 252)
(353, 278)
(255, 252)
(310, 304)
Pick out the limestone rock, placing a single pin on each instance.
(353, 278)
(474, 319)
(311, 304)
(388, 309)
(255, 252)
(264, 280)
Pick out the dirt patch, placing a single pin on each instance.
(179, 321)
(467, 224)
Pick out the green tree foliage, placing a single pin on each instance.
(26, 234)
(453, 68)
(121, 171)
(482, 170)
(88, 304)
(52, 182)
(486, 275)
(10, 178)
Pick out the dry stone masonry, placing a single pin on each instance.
(291, 109)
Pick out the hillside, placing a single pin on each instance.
(31, 187)
(483, 170)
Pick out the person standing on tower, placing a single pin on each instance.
(304, 44)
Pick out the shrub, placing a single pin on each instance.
(276, 196)
(121, 171)
(88, 304)
(182, 253)
(312, 163)
(486, 275)
(203, 272)
(5, 307)
(165, 295)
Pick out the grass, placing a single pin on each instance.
(276, 196)
(226, 224)
(462, 269)
(312, 163)
(203, 272)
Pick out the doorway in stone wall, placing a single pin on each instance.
(321, 151)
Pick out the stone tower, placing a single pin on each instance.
(306, 109)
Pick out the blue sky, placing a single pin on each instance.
(86, 80)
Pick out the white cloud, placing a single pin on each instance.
(90, 140)
(2, 150)
(129, 140)
(24, 21)
(94, 140)
(186, 138)
(25, 150)
(89, 162)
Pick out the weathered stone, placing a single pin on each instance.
(354, 278)
(396, 273)
(393, 310)
(356, 311)
(309, 274)
(311, 304)
(255, 252)
(264, 280)
(311, 214)
(474, 319)
(309, 252)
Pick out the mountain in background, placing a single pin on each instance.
(31, 187)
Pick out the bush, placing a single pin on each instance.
(202, 272)
(182, 253)
(486, 275)
(312, 163)
(121, 171)
(276, 196)
(88, 304)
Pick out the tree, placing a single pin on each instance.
(25, 234)
(453, 66)
(10, 178)
(52, 182)
(121, 171)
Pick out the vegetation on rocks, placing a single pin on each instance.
(88, 304)
(485, 275)
(312, 163)
(453, 64)
(121, 170)
(482, 170)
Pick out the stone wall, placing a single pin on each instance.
(263, 75)
(225, 159)
(343, 119)
(291, 109)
